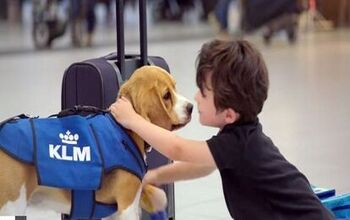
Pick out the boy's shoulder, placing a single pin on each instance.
(250, 138)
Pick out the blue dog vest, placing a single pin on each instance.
(73, 152)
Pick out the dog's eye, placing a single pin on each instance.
(167, 96)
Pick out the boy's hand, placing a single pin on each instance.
(123, 112)
(150, 178)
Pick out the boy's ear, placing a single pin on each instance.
(231, 116)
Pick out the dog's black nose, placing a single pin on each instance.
(189, 108)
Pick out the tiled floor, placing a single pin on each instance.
(307, 112)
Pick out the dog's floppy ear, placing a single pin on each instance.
(130, 90)
(123, 92)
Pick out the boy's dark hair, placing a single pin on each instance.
(239, 77)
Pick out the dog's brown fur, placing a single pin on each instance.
(151, 90)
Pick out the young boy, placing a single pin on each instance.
(258, 182)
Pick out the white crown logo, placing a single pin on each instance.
(69, 138)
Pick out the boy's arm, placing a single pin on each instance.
(164, 141)
(175, 172)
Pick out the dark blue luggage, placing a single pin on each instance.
(96, 82)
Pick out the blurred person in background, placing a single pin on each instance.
(287, 21)
(219, 18)
(272, 16)
(172, 10)
(207, 7)
(83, 21)
(109, 12)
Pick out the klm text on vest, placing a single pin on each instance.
(61, 151)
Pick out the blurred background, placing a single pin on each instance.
(41, 24)
(306, 45)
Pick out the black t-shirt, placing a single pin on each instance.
(258, 182)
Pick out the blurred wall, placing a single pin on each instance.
(11, 10)
(337, 11)
(3, 9)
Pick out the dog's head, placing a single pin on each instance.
(151, 90)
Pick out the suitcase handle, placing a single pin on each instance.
(120, 33)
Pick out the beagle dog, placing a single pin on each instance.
(153, 95)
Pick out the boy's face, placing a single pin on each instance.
(208, 114)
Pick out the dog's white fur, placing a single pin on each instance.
(18, 206)
(152, 93)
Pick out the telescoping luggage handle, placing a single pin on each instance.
(120, 33)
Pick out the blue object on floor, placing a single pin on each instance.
(323, 193)
(161, 215)
(339, 205)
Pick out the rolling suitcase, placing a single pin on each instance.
(96, 82)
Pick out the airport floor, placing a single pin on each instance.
(306, 114)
